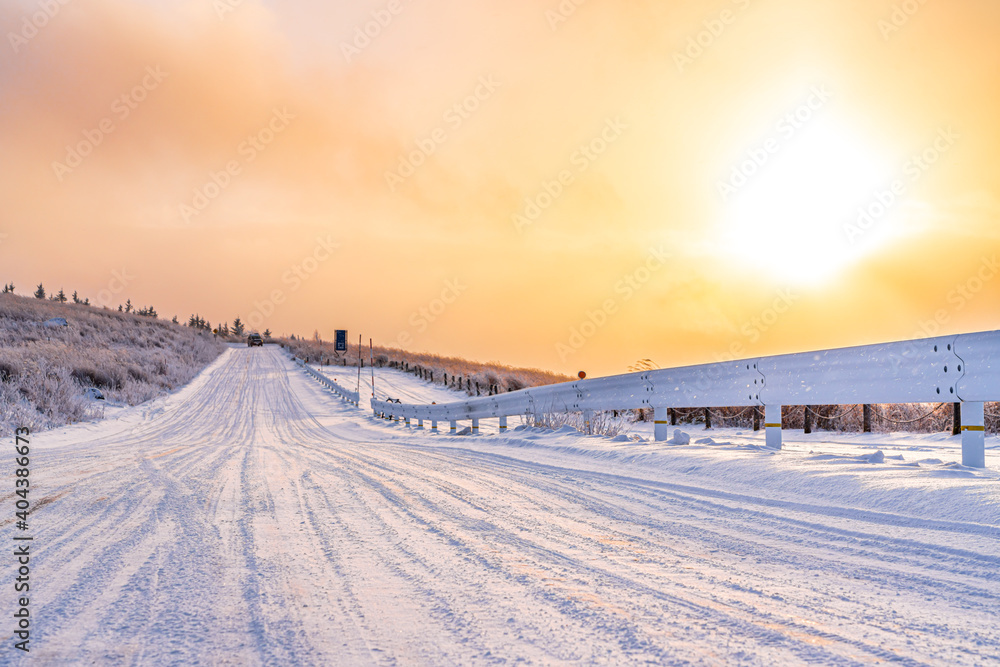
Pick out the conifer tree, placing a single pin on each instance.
(40, 292)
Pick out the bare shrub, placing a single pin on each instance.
(606, 422)
(91, 377)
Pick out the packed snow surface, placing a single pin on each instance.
(254, 518)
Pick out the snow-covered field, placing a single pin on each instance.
(253, 518)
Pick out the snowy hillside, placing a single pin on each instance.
(55, 358)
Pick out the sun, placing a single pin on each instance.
(795, 215)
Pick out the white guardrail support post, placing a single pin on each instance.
(974, 435)
(434, 425)
(475, 426)
(772, 426)
(661, 424)
(454, 427)
(420, 424)
(503, 423)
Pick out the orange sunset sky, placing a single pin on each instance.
(572, 185)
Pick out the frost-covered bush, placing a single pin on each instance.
(45, 371)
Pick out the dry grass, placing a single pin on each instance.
(45, 371)
(490, 377)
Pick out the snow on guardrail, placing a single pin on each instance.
(960, 368)
(346, 394)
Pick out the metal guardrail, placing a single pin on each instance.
(961, 368)
(347, 395)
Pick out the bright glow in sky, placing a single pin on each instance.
(274, 161)
(789, 219)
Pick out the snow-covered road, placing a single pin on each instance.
(252, 518)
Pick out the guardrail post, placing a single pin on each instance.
(420, 423)
(407, 422)
(475, 426)
(454, 427)
(772, 426)
(434, 425)
(661, 428)
(974, 435)
(588, 415)
(503, 423)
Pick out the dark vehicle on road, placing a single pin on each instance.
(254, 340)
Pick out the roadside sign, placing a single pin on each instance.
(341, 342)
